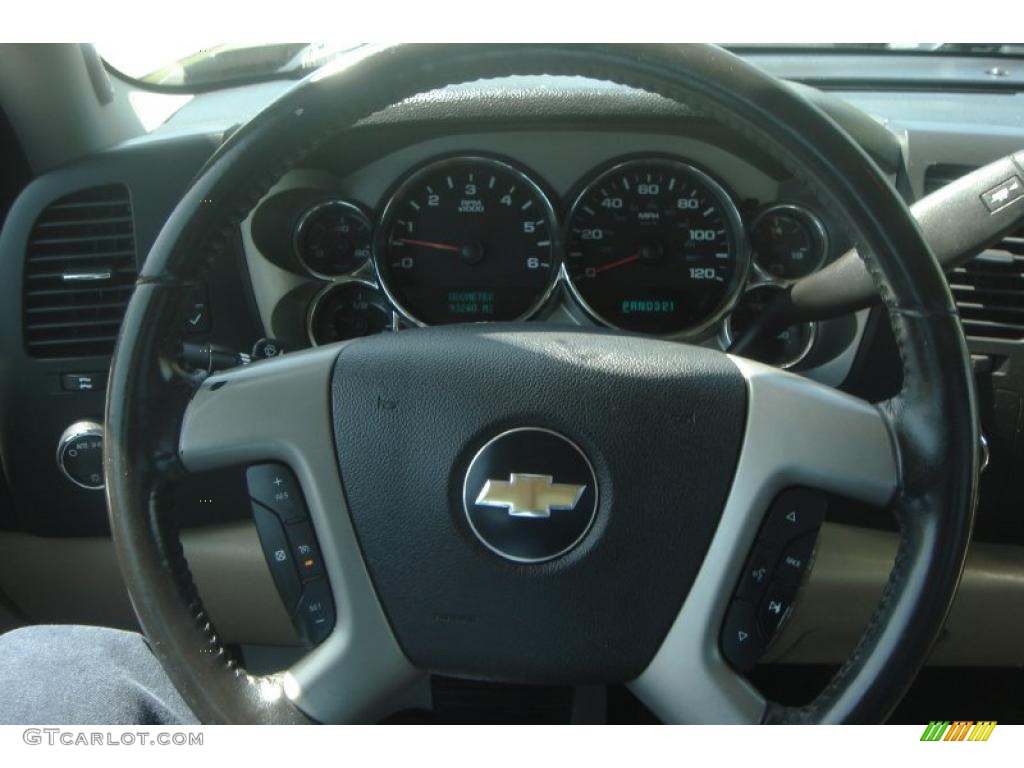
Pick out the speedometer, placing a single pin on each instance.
(467, 239)
(655, 246)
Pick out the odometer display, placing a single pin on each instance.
(655, 246)
(467, 239)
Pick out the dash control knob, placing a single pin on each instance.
(80, 454)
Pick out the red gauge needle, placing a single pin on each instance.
(429, 244)
(619, 263)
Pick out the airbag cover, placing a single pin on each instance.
(661, 423)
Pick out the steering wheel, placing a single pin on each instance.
(674, 453)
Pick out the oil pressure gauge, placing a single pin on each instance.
(332, 239)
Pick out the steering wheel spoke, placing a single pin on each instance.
(279, 410)
(798, 433)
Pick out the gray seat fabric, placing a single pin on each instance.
(78, 675)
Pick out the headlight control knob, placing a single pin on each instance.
(80, 454)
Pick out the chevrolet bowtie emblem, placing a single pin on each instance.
(525, 495)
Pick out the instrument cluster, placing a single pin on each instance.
(651, 244)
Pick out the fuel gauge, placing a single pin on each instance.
(347, 310)
(789, 242)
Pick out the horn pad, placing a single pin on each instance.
(533, 505)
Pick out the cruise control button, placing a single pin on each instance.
(775, 607)
(274, 486)
(741, 645)
(305, 549)
(757, 573)
(314, 617)
(795, 560)
(794, 513)
(278, 552)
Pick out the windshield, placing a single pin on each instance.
(948, 49)
(219, 65)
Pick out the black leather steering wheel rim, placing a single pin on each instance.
(932, 420)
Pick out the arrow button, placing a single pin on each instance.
(740, 641)
(794, 512)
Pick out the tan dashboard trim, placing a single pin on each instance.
(985, 626)
(78, 581)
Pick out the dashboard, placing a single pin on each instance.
(351, 243)
(636, 231)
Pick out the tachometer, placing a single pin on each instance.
(467, 239)
(655, 246)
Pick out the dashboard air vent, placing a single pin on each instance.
(79, 273)
(989, 291)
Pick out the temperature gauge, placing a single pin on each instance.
(789, 242)
(784, 348)
(347, 310)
